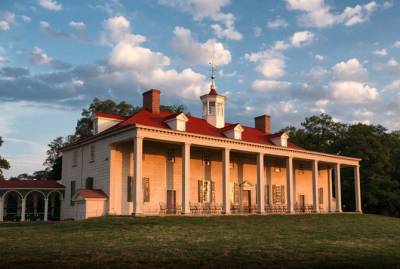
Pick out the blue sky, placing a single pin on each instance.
(289, 58)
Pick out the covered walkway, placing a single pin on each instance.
(30, 200)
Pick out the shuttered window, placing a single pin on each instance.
(92, 153)
(321, 196)
(212, 191)
(200, 191)
(75, 158)
(236, 193)
(129, 189)
(73, 190)
(146, 188)
(278, 194)
(89, 183)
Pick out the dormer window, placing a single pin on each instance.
(233, 131)
(177, 122)
(280, 139)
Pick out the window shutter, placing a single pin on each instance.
(129, 189)
(73, 186)
(274, 198)
(321, 196)
(282, 194)
(200, 193)
(146, 186)
(212, 191)
(236, 193)
(267, 194)
(89, 183)
(255, 185)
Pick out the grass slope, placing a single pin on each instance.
(306, 241)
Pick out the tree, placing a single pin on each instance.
(53, 162)
(4, 164)
(378, 149)
(84, 125)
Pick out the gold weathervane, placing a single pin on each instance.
(213, 69)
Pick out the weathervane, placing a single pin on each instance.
(213, 68)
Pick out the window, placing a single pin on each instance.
(206, 191)
(92, 153)
(211, 108)
(220, 109)
(75, 158)
(321, 196)
(89, 183)
(278, 194)
(146, 189)
(129, 189)
(73, 190)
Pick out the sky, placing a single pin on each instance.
(289, 58)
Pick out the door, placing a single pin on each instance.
(246, 201)
(302, 203)
(171, 201)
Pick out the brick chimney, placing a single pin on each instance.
(151, 101)
(263, 123)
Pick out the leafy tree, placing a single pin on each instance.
(378, 149)
(4, 164)
(53, 162)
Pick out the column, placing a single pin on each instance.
(1, 209)
(186, 178)
(289, 184)
(260, 183)
(46, 209)
(23, 209)
(269, 181)
(338, 188)
(137, 175)
(226, 163)
(330, 196)
(315, 185)
(357, 187)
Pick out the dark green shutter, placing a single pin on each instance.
(129, 189)
(73, 189)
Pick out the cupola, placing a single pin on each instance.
(213, 104)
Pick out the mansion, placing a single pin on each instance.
(156, 162)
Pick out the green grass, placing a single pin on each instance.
(303, 241)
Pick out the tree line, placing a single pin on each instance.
(378, 148)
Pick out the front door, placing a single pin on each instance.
(171, 201)
(246, 200)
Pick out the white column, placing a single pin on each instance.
(225, 181)
(260, 183)
(357, 188)
(23, 209)
(330, 196)
(138, 178)
(338, 188)
(46, 209)
(315, 185)
(289, 184)
(186, 178)
(269, 181)
(1, 209)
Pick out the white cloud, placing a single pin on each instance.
(350, 70)
(25, 18)
(301, 38)
(6, 19)
(77, 25)
(201, 9)
(38, 57)
(381, 52)
(319, 57)
(257, 31)
(137, 64)
(270, 85)
(271, 63)
(394, 85)
(353, 92)
(4, 26)
(50, 5)
(316, 13)
(119, 29)
(396, 44)
(184, 43)
(277, 23)
(363, 115)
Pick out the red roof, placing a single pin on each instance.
(87, 193)
(111, 116)
(213, 92)
(195, 125)
(30, 184)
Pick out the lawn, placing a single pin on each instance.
(300, 241)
